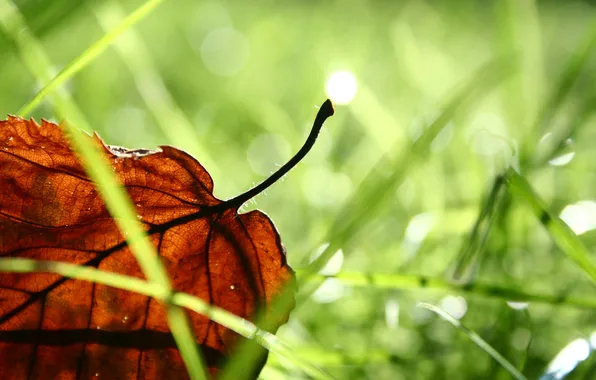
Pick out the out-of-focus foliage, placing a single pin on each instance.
(246, 76)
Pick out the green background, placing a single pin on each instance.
(240, 82)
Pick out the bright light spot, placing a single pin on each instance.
(392, 313)
(341, 87)
(517, 305)
(593, 340)
(330, 290)
(488, 136)
(420, 225)
(455, 306)
(580, 217)
(562, 160)
(546, 137)
(334, 264)
(224, 51)
(568, 358)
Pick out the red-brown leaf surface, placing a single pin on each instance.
(57, 328)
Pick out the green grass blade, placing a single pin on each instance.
(475, 243)
(170, 118)
(88, 56)
(396, 281)
(151, 289)
(519, 29)
(563, 236)
(569, 76)
(573, 68)
(115, 196)
(477, 339)
(247, 355)
(557, 144)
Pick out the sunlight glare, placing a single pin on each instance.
(454, 305)
(580, 217)
(341, 87)
(392, 313)
(562, 160)
(568, 358)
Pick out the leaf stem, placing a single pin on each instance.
(325, 112)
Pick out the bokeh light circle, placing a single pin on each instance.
(341, 87)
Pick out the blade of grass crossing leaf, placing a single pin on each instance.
(562, 235)
(114, 195)
(172, 121)
(247, 355)
(477, 339)
(151, 289)
(88, 55)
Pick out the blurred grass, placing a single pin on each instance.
(116, 199)
(563, 235)
(396, 216)
(481, 343)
